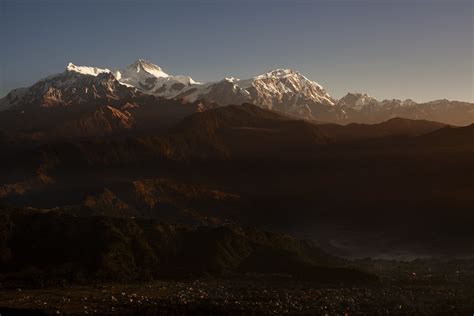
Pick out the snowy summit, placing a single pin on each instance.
(85, 70)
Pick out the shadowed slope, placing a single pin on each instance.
(391, 128)
(53, 245)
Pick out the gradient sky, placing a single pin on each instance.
(421, 49)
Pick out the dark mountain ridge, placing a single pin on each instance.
(49, 247)
(391, 128)
(354, 191)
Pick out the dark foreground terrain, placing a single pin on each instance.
(244, 296)
(54, 263)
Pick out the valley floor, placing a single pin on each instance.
(247, 296)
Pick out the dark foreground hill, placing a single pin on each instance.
(46, 247)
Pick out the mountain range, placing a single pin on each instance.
(284, 90)
(268, 152)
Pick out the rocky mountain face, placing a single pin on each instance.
(76, 85)
(151, 79)
(88, 101)
(361, 108)
(283, 90)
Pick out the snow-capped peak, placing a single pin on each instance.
(142, 65)
(285, 73)
(356, 100)
(278, 73)
(151, 79)
(282, 89)
(85, 70)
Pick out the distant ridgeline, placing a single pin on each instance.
(284, 90)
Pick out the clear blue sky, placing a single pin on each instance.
(420, 49)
